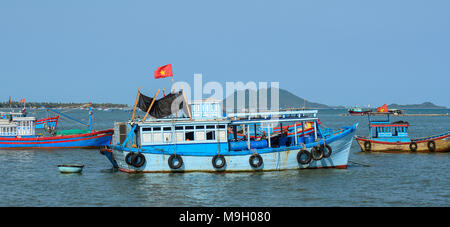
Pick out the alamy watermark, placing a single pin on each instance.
(234, 94)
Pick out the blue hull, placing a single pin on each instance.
(282, 158)
(88, 140)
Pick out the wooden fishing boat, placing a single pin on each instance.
(393, 137)
(211, 142)
(22, 133)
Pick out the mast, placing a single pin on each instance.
(90, 117)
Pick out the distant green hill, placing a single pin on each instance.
(425, 105)
(15, 104)
(286, 100)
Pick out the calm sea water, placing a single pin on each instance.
(31, 177)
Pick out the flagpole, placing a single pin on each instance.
(90, 117)
(135, 103)
(10, 105)
(153, 101)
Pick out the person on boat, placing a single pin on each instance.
(285, 132)
(230, 133)
(263, 136)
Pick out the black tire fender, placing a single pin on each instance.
(138, 160)
(252, 159)
(129, 157)
(431, 145)
(177, 157)
(300, 154)
(367, 145)
(316, 153)
(220, 157)
(413, 146)
(327, 150)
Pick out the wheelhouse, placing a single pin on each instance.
(19, 126)
(390, 132)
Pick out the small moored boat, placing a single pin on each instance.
(70, 168)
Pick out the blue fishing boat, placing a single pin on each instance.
(206, 140)
(386, 136)
(21, 132)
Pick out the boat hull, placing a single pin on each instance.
(442, 144)
(70, 168)
(274, 159)
(87, 140)
(359, 112)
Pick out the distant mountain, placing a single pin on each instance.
(286, 100)
(15, 104)
(425, 105)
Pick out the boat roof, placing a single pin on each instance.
(6, 122)
(239, 118)
(24, 119)
(179, 121)
(272, 117)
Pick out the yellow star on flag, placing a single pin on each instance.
(163, 72)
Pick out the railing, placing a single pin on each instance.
(283, 114)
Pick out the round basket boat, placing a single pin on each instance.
(70, 168)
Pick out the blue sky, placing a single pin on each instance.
(332, 52)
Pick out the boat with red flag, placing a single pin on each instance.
(385, 136)
(22, 132)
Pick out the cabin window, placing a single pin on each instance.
(222, 132)
(146, 129)
(222, 135)
(147, 138)
(167, 134)
(210, 135)
(188, 133)
(200, 127)
(189, 136)
(167, 137)
(157, 137)
(200, 135)
(179, 136)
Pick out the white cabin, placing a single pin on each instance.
(19, 126)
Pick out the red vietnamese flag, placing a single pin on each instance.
(382, 109)
(163, 71)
